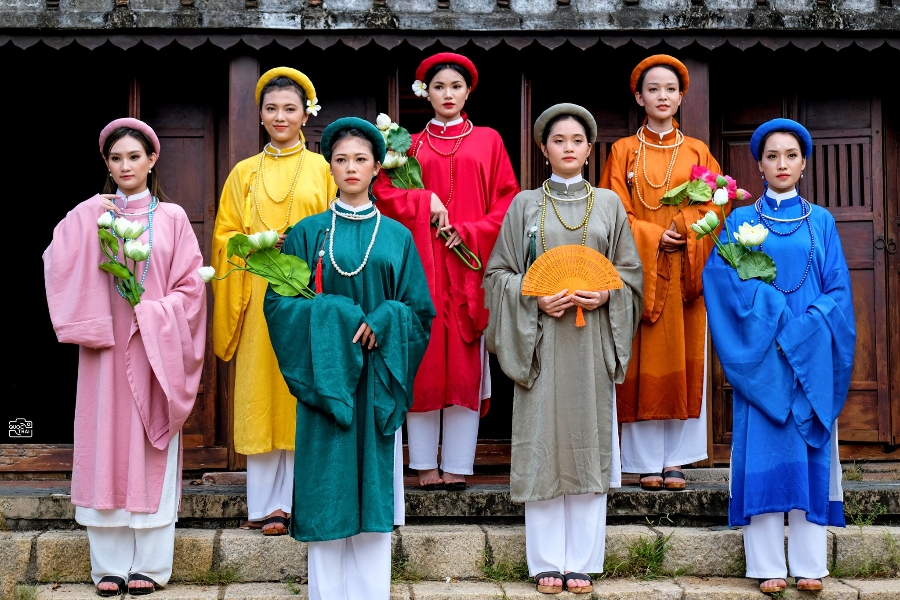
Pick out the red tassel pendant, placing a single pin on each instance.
(319, 272)
(579, 317)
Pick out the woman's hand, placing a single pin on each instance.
(280, 241)
(364, 335)
(671, 241)
(556, 304)
(453, 237)
(107, 201)
(439, 214)
(590, 300)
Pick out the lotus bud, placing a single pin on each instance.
(105, 221)
(750, 236)
(137, 251)
(720, 198)
(721, 181)
(712, 221)
(206, 273)
(127, 230)
(392, 160)
(394, 126)
(263, 240)
(700, 227)
(383, 122)
(742, 194)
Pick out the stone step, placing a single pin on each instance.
(27, 507)
(434, 553)
(683, 588)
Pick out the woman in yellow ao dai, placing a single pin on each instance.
(272, 190)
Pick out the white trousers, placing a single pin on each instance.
(567, 533)
(122, 551)
(764, 546)
(460, 434)
(651, 446)
(270, 483)
(354, 568)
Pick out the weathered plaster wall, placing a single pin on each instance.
(465, 15)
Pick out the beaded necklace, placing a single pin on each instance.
(641, 159)
(468, 127)
(584, 221)
(261, 173)
(149, 214)
(766, 220)
(351, 217)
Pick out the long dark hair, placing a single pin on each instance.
(110, 186)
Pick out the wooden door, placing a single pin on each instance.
(845, 176)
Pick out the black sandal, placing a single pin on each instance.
(650, 486)
(772, 591)
(431, 487)
(123, 587)
(456, 486)
(549, 589)
(276, 531)
(578, 590)
(141, 591)
(674, 475)
(816, 587)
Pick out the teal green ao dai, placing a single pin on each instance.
(351, 400)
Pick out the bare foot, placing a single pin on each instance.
(277, 513)
(809, 584)
(430, 476)
(550, 581)
(652, 479)
(107, 586)
(453, 478)
(139, 584)
(577, 583)
(772, 586)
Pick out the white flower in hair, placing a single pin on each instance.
(312, 107)
(420, 89)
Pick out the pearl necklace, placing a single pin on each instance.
(260, 172)
(149, 214)
(812, 247)
(641, 159)
(584, 221)
(458, 138)
(352, 217)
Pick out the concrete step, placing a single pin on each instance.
(704, 503)
(434, 553)
(684, 588)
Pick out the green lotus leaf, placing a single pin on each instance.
(675, 196)
(399, 140)
(756, 265)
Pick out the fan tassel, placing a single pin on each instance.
(579, 318)
(319, 276)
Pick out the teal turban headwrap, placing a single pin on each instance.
(367, 129)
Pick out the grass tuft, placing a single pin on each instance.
(643, 560)
(853, 472)
(218, 576)
(26, 592)
(403, 572)
(294, 587)
(504, 568)
(885, 565)
(855, 514)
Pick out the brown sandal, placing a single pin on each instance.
(816, 586)
(678, 485)
(549, 589)
(776, 589)
(650, 486)
(276, 530)
(579, 590)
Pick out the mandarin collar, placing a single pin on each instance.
(139, 200)
(575, 190)
(276, 152)
(662, 134)
(452, 128)
(353, 209)
(785, 200)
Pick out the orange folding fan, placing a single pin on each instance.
(570, 268)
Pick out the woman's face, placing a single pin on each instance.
(129, 164)
(283, 114)
(567, 148)
(448, 93)
(353, 166)
(659, 94)
(782, 162)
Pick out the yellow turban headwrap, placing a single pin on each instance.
(296, 76)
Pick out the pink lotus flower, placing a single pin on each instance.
(731, 187)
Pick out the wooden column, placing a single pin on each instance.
(695, 123)
(134, 98)
(243, 141)
(527, 144)
(394, 95)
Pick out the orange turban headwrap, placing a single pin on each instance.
(655, 61)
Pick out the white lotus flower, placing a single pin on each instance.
(206, 273)
(105, 221)
(127, 230)
(392, 160)
(420, 89)
(383, 122)
(137, 251)
(750, 236)
(263, 240)
(312, 107)
(720, 198)
(705, 224)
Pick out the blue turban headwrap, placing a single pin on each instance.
(781, 125)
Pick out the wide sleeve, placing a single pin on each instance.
(319, 371)
(695, 252)
(744, 319)
(232, 294)
(171, 336)
(480, 235)
(78, 293)
(625, 305)
(401, 327)
(513, 331)
(819, 345)
(646, 234)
